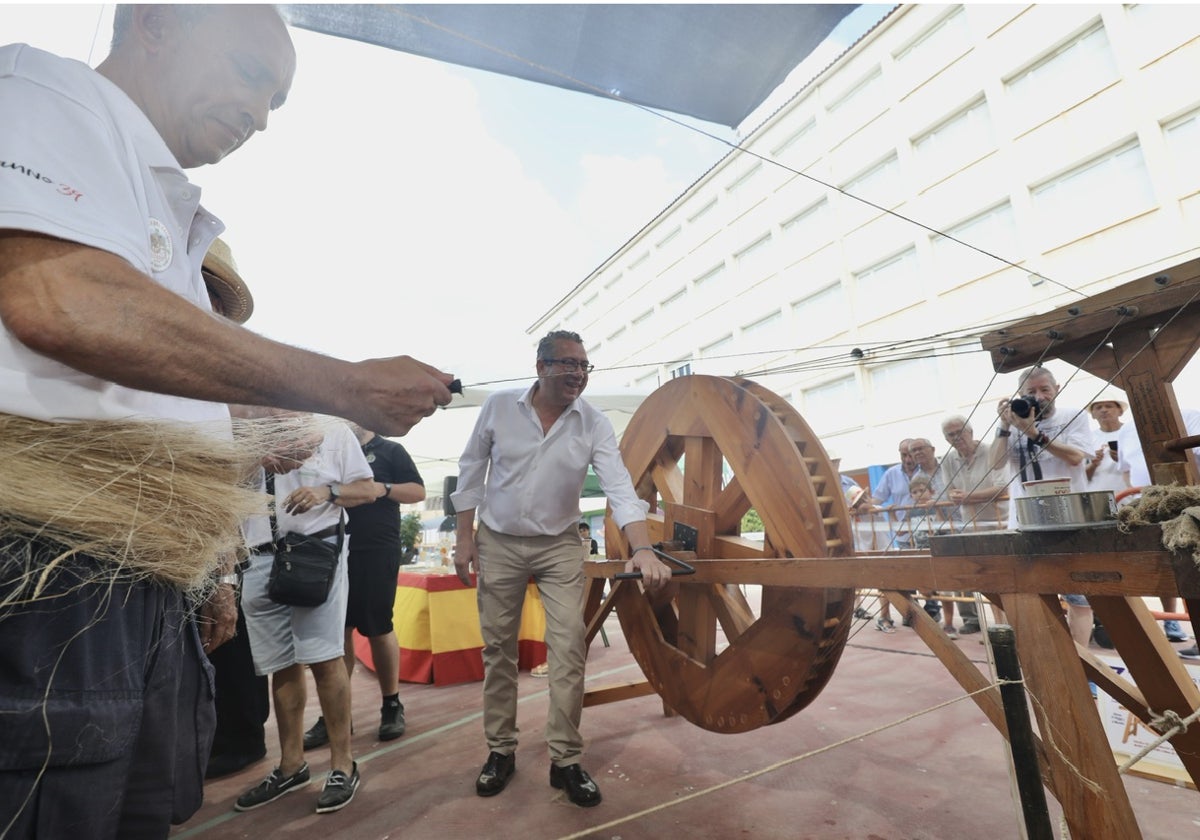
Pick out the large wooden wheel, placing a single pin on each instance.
(703, 450)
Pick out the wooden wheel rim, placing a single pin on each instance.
(776, 663)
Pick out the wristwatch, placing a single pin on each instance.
(387, 490)
(335, 492)
(230, 579)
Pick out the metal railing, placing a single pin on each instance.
(898, 529)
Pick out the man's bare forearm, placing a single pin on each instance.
(93, 312)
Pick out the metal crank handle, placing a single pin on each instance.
(681, 567)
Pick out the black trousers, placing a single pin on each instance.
(243, 697)
(106, 703)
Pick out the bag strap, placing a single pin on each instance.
(271, 493)
(276, 536)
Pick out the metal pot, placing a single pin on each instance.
(1071, 510)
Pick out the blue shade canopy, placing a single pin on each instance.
(712, 62)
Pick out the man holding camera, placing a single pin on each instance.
(1040, 439)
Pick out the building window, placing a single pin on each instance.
(744, 178)
(880, 184)
(683, 370)
(940, 41)
(901, 389)
(879, 289)
(793, 139)
(673, 299)
(639, 260)
(1070, 73)
(834, 406)
(613, 336)
(668, 237)
(591, 299)
(649, 380)
(609, 284)
(964, 137)
(762, 324)
(712, 202)
(1183, 142)
(1095, 195)
(709, 275)
(719, 344)
(823, 313)
(752, 255)
(994, 230)
(861, 101)
(811, 225)
(641, 319)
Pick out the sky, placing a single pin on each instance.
(399, 205)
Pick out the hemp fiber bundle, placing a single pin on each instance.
(151, 498)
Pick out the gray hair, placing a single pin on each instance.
(1037, 372)
(545, 348)
(957, 418)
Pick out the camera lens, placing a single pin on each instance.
(1021, 408)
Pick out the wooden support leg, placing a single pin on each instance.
(1080, 766)
(1155, 667)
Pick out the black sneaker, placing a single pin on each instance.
(318, 736)
(271, 788)
(1190, 653)
(969, 628)
(338, 791)
(391, 722)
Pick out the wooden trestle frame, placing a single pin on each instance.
(695, 429)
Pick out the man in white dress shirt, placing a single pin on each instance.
(520, 476)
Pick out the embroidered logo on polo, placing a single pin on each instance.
(161, 249)
(371, 458)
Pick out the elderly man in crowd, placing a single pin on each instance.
(105, 318)
(520, 477)
(975, 487)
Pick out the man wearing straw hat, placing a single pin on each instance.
(119, 490)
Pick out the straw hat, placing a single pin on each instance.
(222, 278)
(1109, 396)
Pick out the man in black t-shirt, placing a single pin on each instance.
(373, 565)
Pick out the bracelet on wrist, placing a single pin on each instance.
(641, 548)
(230, 579)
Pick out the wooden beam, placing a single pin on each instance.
(1079, 761)
(616, 693)
(1078, 327)
(1159, 673)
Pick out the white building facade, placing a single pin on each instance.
(1063, 139)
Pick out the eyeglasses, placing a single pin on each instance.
(571, 364)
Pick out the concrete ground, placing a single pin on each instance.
(870, 759)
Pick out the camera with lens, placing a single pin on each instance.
(1023, 407)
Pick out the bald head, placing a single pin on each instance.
(207, 77)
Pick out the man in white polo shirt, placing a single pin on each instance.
(105, 723)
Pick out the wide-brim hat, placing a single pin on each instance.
(222, 278)
(1109, 396)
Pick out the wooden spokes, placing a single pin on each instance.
(703, 451)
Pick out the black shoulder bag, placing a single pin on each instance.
(305, 565)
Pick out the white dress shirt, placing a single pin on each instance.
(525, 483)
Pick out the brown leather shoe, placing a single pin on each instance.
(577, 783)
(496, 772)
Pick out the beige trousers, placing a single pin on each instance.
(556, 565)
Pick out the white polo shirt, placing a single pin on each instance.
(79, 161)
(338, 460)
